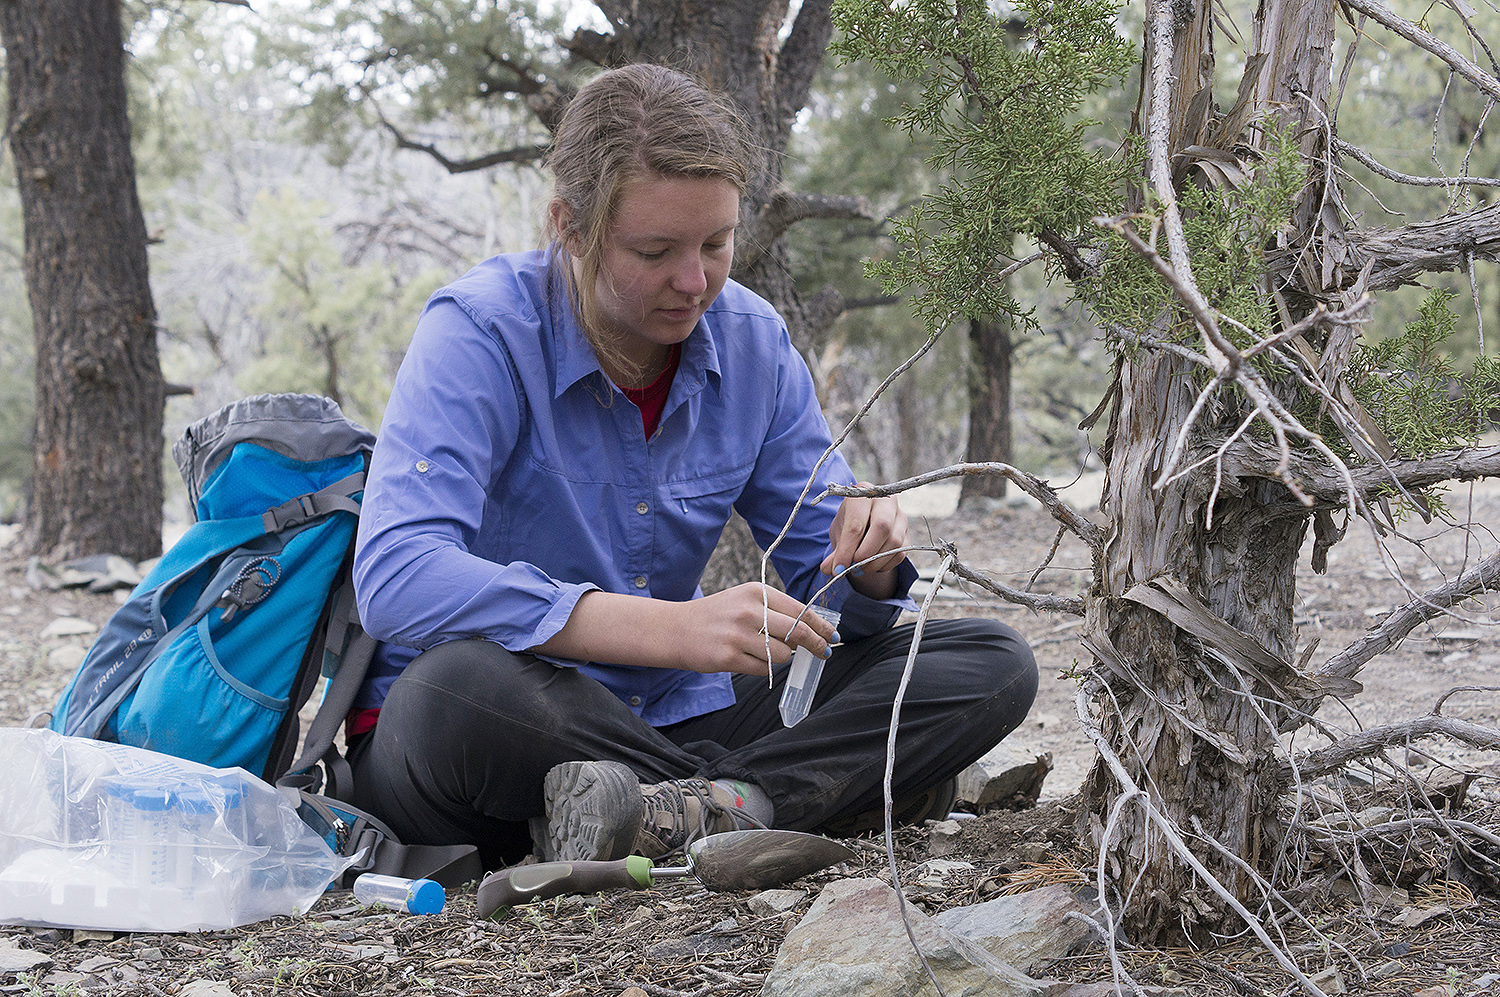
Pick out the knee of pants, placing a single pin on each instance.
(1000, 663)
(465, 677)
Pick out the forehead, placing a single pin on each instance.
(675, 208)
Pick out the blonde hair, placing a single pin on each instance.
(637, 121)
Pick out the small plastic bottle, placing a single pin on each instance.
(415, 896)
(802, 679)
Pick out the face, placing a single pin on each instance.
(665, 260)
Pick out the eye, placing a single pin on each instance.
(656, 255)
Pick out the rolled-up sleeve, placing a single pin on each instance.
(796, 441)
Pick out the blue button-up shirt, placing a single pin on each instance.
(511, 477)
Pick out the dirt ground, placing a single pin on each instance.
(676, 939)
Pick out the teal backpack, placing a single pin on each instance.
(219, 647)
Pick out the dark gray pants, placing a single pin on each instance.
(469, 730)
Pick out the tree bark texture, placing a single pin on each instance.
(1175, 710)
(991, 351)
(98, 446)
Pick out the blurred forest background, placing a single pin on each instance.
(295, 232)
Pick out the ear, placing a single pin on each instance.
(562, 223)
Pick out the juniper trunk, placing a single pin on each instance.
(97, 484)
(1175, 712)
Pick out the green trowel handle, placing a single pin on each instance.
(524, 884)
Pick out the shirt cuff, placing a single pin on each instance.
(861, 616)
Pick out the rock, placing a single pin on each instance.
(934, 872)
(1029, 931)
(149, 954)
(853, 941)
(95, 964)
(1330, 981)
(633, 992)
(707, 943)
(1413, 917)
(101, 572)
(14, 959)
(42, 577)
(67, 626)
(942, 838)
(205, 988)
(1380, 898)
(770, 902)
(90, 935)
(1003, 775)
(67, 657)
(1447, 787)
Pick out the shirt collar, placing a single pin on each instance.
(576, 358)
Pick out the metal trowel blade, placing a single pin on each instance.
(761, 859)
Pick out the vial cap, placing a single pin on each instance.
(426, 897)
(154, 800)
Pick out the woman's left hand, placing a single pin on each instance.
(864, 527)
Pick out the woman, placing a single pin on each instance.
(564, 443)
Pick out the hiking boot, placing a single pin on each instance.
(933, 803)
(600, 810)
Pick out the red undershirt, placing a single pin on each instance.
(650, 400)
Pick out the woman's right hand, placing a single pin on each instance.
(723, 632)
(727, 631)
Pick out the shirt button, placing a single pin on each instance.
(635, 701)
(642, 508)
(422, 466)
(640, 581)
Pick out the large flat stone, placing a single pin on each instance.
(1029, 931)
(853, 941)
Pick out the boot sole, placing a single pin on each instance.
(594, 812)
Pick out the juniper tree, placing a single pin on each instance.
(1232, 284)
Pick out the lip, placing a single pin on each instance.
(679, 314)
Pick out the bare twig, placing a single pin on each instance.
(1376, 739)
(1368, 160)
(1481, 578)
(1085, 529)
(890, 763)
(1487, 84)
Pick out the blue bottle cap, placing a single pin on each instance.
(194, 800)
(154, 800)
(426, 897)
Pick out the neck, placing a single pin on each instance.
(636, 371)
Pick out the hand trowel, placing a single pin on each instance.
(756, 859)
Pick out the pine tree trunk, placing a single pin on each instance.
(991, 351)
(97, 483)
(1176, 714)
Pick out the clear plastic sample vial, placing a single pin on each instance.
(415, 896)
(802, 679)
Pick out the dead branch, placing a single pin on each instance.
(519, 154)
(1481, 578)
(1486, 83)
(1368, 160)
(1085, 529)
(1038, 601)
(1441, 245)
(786, 209)
(890, 764)
(1376, 739)
(1251, 460)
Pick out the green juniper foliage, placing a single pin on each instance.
(1228, 230)
(1000, 98)
(1416, 393)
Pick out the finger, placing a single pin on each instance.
(888, 529)
(846, 534)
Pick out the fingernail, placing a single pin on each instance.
(859, 572)
(835, 639)
(827, 652)
(839, 569)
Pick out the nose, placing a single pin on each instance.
(690, 277)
